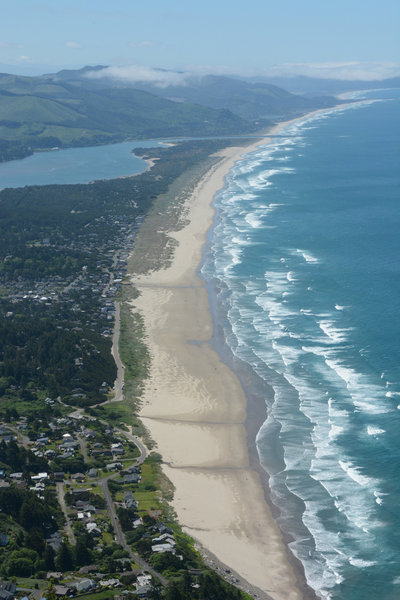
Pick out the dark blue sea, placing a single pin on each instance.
(305, 260)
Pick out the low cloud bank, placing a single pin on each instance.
(141, 74)
(348, 71)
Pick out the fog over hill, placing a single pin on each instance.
(100, 104)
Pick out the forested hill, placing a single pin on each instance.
(90, 107)
(249, 100)
(38, 113)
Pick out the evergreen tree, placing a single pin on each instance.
(49, 556)
(82, 554)
(64, 558)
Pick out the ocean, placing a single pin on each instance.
(304, 261)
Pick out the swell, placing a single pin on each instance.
(330, 413)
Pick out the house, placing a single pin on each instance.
(118, 451)
(43, 440)
(114, 466)
(129, 500)
(143, 579)
(113, 582)
(137, 523)
(3, 539)
(78, 477)
(163, 548)
(7, 590)
(93, 529)
(62, 590)
(55, 541)
(166, 538)
(59, 476)
(84, 585)
(40, 477)
(54, 575)
(69, 454)
(92, 472)
(132, 478)
(88, 569)
(143, 591)
(69, 445)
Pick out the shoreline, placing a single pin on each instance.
(196, 409)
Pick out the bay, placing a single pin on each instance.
(75, 165)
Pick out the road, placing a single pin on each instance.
(61, 501)
(119, 536)
(119, 382)
(83, 448)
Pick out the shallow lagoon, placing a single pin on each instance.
(75, 165)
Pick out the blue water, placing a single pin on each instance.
(305, 261)
(75, 165)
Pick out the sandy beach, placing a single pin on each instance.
(195, 409)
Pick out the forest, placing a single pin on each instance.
(59, 247)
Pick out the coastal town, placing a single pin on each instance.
(84, 506)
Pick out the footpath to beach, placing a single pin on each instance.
(195, 409)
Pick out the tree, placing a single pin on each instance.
(34, 539)
(64, 558)
(49, 556)
(82, 554)
(51, 592)
(173, 592)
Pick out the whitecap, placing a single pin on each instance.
(371, 430)
(354, 472)
(308, 257)
(360, 563)
(337, 334)
(253, 220)
(290, 276)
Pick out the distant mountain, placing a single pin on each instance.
(43, 112)
(252, 101)
(87, 107)
(301, 84)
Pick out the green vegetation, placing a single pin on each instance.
(62, 250)
(59, 244)
(44, 112)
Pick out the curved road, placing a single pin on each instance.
(120, 538)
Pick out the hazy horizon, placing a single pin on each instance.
(356, 40)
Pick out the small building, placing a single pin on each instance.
(129, 500)
(132, 478)
(62, 590)
(159, 548)
(114, 466)
(84, 585)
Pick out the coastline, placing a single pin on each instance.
(196, 410)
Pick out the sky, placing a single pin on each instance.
(345, 38)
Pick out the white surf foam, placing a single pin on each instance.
(371, 430)
(308, 257)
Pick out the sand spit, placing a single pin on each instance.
(195, 410)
